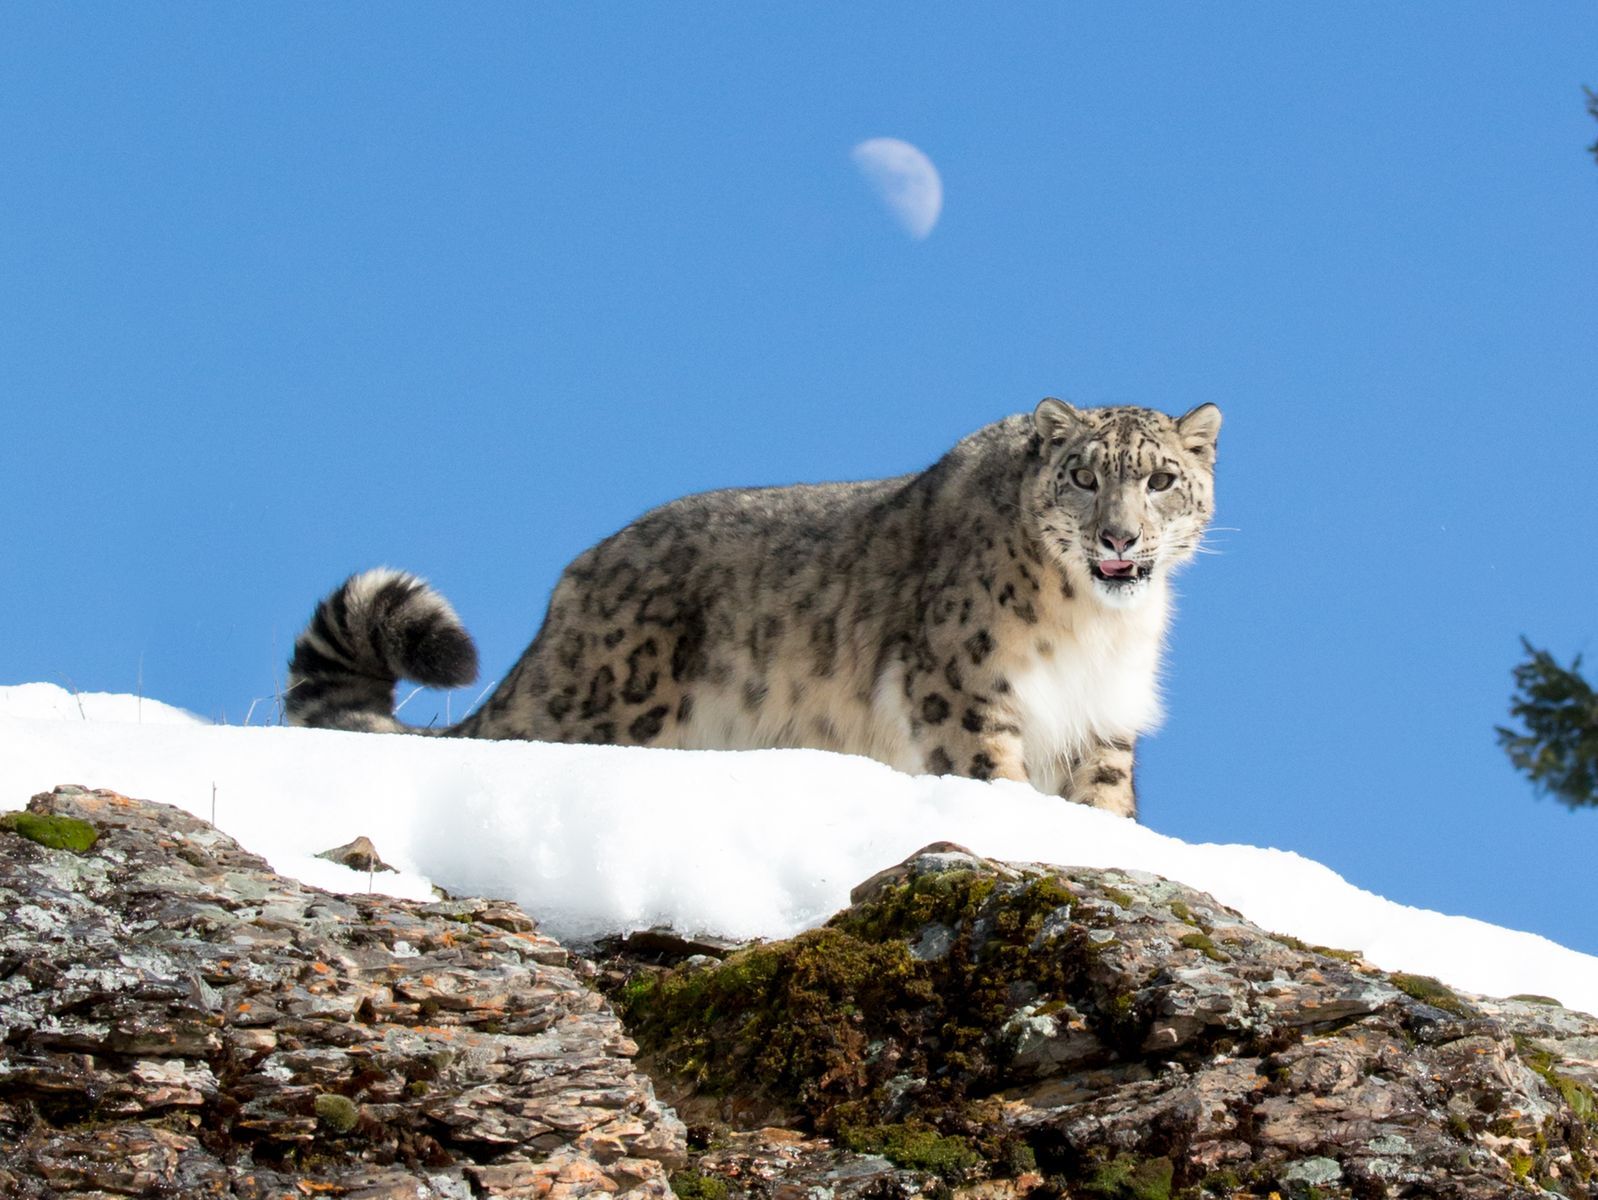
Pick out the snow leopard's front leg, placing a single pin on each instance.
(962, 734)
(1101, 777)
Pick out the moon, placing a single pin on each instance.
(905, 181)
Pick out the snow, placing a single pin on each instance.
(598, 839)
(49, 701)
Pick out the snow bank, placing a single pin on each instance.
(48, 701)
(597, 839)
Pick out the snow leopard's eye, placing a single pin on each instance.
(1084, 479)
(1161, 481)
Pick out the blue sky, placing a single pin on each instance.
(291, 290)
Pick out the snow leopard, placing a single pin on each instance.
(999, 615)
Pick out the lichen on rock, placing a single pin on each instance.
(177, 1020)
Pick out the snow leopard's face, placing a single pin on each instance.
(1122, 494)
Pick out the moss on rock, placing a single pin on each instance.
(821, 1025)
(335, 1113)
(1128, 1178)
(56, 833)
(1054, 990)
(791, 1016)
(1116, 896)
(1534, 998)
(691, 1185)
(806, 1010)
(1578, 1097)
(944, 898)
(915, 1145)
(1429, 991)
(1203, 943)
(1349, 956)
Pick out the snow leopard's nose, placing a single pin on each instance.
(1117, 539)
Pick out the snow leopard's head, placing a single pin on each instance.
(1121, 494)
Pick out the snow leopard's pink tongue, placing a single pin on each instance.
(1117, 568)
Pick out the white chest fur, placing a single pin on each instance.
(1090, 675)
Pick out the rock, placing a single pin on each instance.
(784, 1165)
(662, 944)
(359, 855)
(176, 1019)
(1002, 1027)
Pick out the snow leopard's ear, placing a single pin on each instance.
(1199, 429)
(1056, 421)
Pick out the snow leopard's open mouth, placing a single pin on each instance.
(1119, 572)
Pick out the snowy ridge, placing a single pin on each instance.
(47, 700)
(758, 843)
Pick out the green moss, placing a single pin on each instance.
(336, 1113)
(1303, 947)
(914, 1146)
(787, 1015)
(1223, 1182)
(692, 1185)
(1578, 1097)
(821, 1025)
(1532, 998)
(1334, 952)
(1202, 943)
(1580, 1163)
(1428, 991)
(1020, 917)
(1520, 1165)
(57, 833)
(944, 898)
(1117, 896)
(1180, 911)
(1123, 1023)
(637, 991)
(1127, 1178)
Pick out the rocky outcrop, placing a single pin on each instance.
(177, 1020)
(1109, 1034)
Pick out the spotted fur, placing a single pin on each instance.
(999, 615)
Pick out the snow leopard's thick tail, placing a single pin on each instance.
(380, 627)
